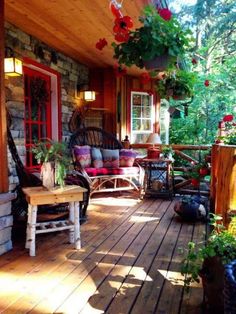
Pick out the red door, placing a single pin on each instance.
(37, 121)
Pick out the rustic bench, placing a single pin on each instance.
(105, 178)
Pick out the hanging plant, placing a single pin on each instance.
(38, 90)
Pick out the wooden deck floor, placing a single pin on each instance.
(129, 263)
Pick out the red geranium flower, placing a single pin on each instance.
(207, 83)
(122, 37)
(194, 61)
(119, 71)
(165, 14)
(123, 24)
(101, 43)
(228, 118)
(114, 10)
(145, 78)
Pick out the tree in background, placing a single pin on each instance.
(213, 57)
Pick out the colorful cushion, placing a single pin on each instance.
(129, 171)
(96, 156)
(127, 157)
(110, 158)
(82, 156)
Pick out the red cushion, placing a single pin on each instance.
(92, 172)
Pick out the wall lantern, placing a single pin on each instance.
(84, 93)
(89, 95)
(12, 65)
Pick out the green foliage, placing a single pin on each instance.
(155, 38)
(213, 24)
(220, 243)
(56, 152)
(178, 83)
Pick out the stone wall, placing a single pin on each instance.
(72, 73)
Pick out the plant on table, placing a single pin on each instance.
(56, 153)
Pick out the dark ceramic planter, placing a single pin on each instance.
(212, 275)
(159, 63)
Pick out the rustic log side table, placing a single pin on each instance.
(41, 196)
(158, 177)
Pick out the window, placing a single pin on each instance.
(141, 116)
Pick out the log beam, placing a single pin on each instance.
(3, 127)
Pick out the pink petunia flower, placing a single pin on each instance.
(165, 14)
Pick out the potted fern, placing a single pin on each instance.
(158, 39)
(54, 159)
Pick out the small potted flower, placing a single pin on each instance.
(155, 45)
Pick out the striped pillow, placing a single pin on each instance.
(82, 156)
(96, 155)
(127, 157)
(110, 158)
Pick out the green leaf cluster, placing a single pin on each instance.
(221, 243)
(179, 83)
(155, 38)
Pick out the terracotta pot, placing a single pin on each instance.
(153, 153)
(158, 63)
(195, 182)
(204, 171)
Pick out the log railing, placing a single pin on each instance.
(190, 155)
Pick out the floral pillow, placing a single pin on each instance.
(127, 157)
(83, 156)
(96, 155)
(110, 158)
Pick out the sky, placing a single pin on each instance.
(175, 4)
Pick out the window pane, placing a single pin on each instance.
(146, 112)
(137, 100)
(136, 112)
(136, 124)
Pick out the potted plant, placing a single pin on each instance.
(55, 160)
(157, 37)
(177, 84)
(206, 261)
(167, 152)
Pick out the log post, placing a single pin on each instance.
(4, 186)
(223, 188)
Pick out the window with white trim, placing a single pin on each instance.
(141, 116)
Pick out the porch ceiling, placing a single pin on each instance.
(72, 27)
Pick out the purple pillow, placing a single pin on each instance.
(82, 156)
(96, 155)
(110, 158)
(127, 157)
